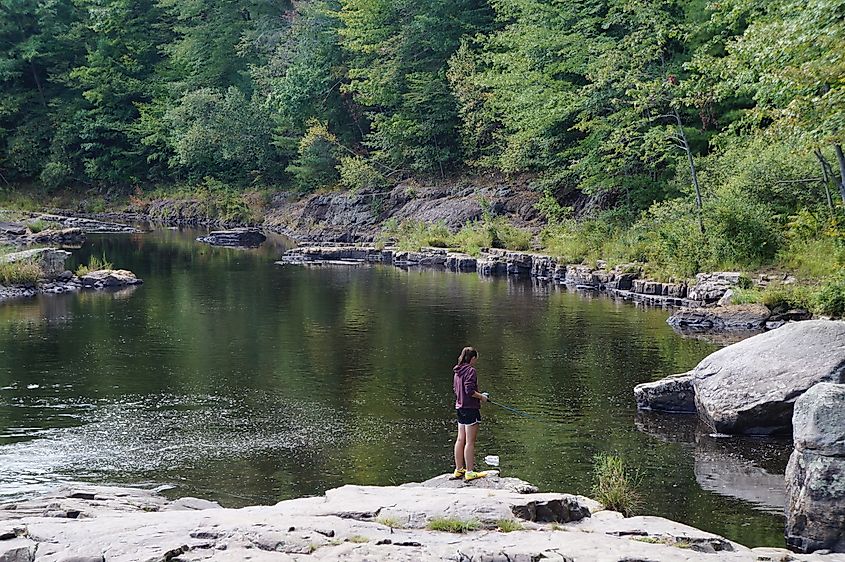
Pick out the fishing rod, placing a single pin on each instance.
(516, 411)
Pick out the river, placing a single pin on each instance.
(235, 379)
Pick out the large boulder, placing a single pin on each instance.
(50, 260)
(672, 394)
(730, 317)
(815, 475)
(109, 278)
(751, 386)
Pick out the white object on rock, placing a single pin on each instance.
(492, 460)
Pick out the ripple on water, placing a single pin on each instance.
(143, 435)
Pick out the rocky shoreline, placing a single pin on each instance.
(704, 306)
(61, 232)
(787, 381)
(503, 519)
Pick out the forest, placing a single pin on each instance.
(687, 135)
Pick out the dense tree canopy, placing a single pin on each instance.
(623, 103)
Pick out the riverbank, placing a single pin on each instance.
(472, 213)
(440, 519)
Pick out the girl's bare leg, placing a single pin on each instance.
(460, 442)
(469, 448)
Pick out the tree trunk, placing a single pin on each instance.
(38, 85)
(693, 173)
(840, 157)
(826, 178)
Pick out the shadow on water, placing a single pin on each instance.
(247, 382)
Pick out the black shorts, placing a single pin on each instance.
(468, 416)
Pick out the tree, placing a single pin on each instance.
(399, 50)
(789, 59)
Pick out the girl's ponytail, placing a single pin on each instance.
(466, 355)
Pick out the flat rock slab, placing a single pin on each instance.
(234, 238)
(330, 528)
(491, 482)
(751, 386)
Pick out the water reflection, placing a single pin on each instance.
(745, 468)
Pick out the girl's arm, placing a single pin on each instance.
(480, 396)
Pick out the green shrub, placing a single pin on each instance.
(20, 273)
(94, 264)
(412, 235)
(38, 226)
(615, 487)
(746, 296)
(357, 173)
(778, 296)
(740, 231)
(452, 525)
(472, 237)
(830, 298)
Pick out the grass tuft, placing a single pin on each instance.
(615, 487)
(20, 273)
(509, 525)
(94, 264)
(358, 539)
(452, 525)
(391, 522)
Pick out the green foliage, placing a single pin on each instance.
(21, 272)
(414, 235)
(316, 163)
(94, 264)
(38, 225)
(221, 134)
(509, 525)
(357, 539)
(452, 525)
(830, 299)
(357, 173)
(615, 487)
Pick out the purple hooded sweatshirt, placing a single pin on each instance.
(464, 383)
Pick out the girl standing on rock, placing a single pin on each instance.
(468, 407)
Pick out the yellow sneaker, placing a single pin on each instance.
(472, 475)
(459, 473)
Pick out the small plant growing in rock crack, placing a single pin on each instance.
(615, 486)
(391, 522)
(94, 264)
(452, 525)
(358, 539)
(509, 525)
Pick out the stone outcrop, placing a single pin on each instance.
(50, 260)
(234, 238)
(751, 386)
(674, 394)
(106, 278)
(353, 523)
(727, 317)
(815, 475)
(357, 217)
(710, 287)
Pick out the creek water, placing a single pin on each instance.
(238, 380)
